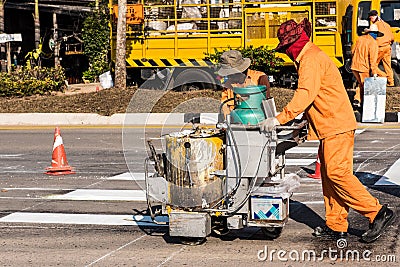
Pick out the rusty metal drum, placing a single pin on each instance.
(192, 160)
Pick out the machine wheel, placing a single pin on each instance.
(219, 227)
(218, 232)
(192, 241)
(272, 232)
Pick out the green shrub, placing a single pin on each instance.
(26, 81)
(96, 38)
(262, 59)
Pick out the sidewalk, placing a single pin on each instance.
(127, 119)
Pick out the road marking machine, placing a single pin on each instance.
(213, 179)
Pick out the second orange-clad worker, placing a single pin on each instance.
(236, 70)
(384, 44)
(323, 99)
(364, 62)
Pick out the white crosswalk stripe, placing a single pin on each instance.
(95, 219)
(391, 177)
(102, 194)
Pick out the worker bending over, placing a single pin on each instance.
(364, 62)
(384, 44)
(236, 70)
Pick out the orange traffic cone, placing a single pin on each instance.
(317, 173)
(59, 163)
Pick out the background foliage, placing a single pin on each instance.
(262, 59)
(96, 38)
(31, 81)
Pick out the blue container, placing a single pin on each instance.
(248, 107)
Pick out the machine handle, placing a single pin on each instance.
(293, 127)
(282, 127)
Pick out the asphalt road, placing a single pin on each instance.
(97, 217)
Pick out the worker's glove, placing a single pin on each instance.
(268, 124)
(375, 76)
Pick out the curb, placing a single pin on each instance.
(120, 119)
(91, 119)
(392, 117)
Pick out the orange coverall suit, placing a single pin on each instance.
(323, 98)
(385, 49)
(365, 55)
(252, 78)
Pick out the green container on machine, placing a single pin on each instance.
(248, 107)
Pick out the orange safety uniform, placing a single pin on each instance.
(364, 61)
(322, 97)
(385, 49)
(252, 78)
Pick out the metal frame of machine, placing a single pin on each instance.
(228, 177)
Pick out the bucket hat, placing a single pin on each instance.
(289, 32)
(233, 62)
(374, 29)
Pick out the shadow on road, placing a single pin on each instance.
(303, 214)
(369, 180)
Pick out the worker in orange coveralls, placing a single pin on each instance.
(364, 61)
(236, 69)
(323, 99)
(384, 44)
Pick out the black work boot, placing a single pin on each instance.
(326, 232)
(383, 219)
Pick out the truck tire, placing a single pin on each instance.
(194, 79)
(396, 77)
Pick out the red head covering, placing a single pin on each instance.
(289, 32)
(294, 49)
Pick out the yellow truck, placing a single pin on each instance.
(175, 35)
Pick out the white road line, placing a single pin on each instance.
(359, 131)
(112, 252)
(10, 156)
(391, 177)
(302, 150)
(37, 189)
(95, 219)
(172, 255)
(299, 162)
(135, 176)
(317, 202)
(307, 193)
(99, 194)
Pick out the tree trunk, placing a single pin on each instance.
(2, 46)
(2, 16)
(56, 43)
(37, 25)
(120, 60)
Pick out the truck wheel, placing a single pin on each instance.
(272, 232)
(194, 79)
(396, 77)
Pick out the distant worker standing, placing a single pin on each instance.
(236, 69)
(384, 44)
(364, 61)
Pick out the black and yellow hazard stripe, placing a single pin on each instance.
(168, 62)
